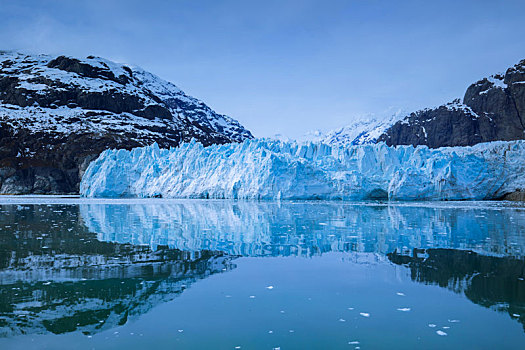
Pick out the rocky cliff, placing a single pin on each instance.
(492, 109)
(58, 113)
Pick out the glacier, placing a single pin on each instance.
(269, 169)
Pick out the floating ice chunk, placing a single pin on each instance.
(350, 308)
(342, 320)
(252, 296)
(453, 321)
(355, 342)
(400, 294)
(516, 315)
(441, 333)
(404, 309)
(364, 314)
(180, 330)
(269, 287)
(237, 347)
(431, 325)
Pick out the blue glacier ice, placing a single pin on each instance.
(266, 169)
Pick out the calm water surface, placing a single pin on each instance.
(196, 274)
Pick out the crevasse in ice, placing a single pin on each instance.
(265, 169)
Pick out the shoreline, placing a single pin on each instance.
(78, 200)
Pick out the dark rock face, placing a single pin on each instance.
(493, 109)
(515, 196)
(69, 64)
(59, 113)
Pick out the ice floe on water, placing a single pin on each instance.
(264, 169)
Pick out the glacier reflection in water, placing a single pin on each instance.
(250, 228)
(56, 277)
(137, 273)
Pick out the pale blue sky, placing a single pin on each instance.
(286, 66)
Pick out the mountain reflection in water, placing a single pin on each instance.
(493, 282)
(55, 276)
(90, 266)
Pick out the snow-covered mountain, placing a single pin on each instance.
(59, 113)
(361, 132)
(492, 109)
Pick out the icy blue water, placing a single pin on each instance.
(197, 274)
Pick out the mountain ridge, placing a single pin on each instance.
(492, 109)
(57, 113)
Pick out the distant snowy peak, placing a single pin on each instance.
(360, 132)
(363, 131)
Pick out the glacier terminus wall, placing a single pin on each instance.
(265, 169)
